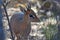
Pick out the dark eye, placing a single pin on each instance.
(31, 15)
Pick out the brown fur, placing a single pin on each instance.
(22, 29)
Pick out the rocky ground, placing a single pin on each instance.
(36, 32)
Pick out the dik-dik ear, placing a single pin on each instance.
(22, 9)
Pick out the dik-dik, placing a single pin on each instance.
(21, 23)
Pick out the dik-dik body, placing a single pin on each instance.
(21, 23)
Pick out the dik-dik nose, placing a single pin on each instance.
(36, 20)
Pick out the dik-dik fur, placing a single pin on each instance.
(21, 23)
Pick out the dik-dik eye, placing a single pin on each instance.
(32, 16)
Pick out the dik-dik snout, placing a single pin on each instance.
(21, 23)
(33, 17)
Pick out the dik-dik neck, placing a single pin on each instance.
(26, 18)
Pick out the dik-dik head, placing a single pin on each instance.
(32, 15)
